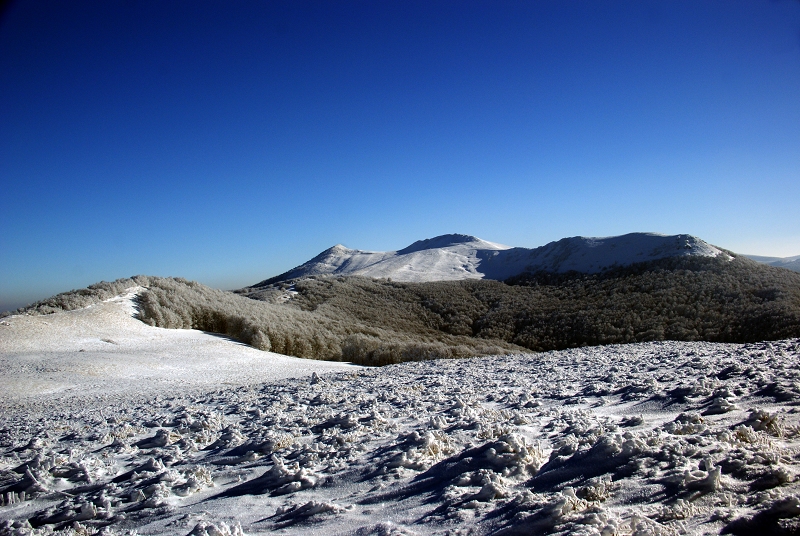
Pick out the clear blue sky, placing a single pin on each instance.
(229, 141)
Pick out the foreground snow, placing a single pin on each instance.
(656, 438)
(103, 350)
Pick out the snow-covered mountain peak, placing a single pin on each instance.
(633, 247)
(335, 251)
(460, 256)
(595, 254)
(449, 240)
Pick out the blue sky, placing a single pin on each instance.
(226, 142)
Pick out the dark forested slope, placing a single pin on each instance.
(686, 298)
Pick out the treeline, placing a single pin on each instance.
(78, 299)
(329, 333)
(376, 322)
(688, 298)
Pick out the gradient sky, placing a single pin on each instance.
(226, 142)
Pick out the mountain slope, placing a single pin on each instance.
(376, 321)
(790, 263)
(594, 255)
(443, 258)
(457, 257)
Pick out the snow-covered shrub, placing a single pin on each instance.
(78, 299)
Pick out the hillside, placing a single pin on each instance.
(457, 257)
(102, 350)
(367, 325)
(715, 297)
(790, 263)
(719, 299)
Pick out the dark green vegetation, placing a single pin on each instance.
(682, 298)
(378, 321)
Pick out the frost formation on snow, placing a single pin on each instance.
(653, 438)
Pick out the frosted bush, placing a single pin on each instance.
(219, 528)
(761, 420)
(685, 424)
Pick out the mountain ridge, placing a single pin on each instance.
(448, 240)
(790, 263)
(459, 256)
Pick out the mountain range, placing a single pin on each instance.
(456, 256)
(790, 263)
(457, 295)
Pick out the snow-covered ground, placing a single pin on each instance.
(456, 257)
(654, 438)
(103, 350)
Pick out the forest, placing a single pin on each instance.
(379, 321)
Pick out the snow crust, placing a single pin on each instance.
(455, 257)
(654, 438)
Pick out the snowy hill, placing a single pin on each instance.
(454, 257)
(443, 258)
(103, 349)
(790, 263)
(592, 255)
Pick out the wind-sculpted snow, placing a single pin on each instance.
(655, 438)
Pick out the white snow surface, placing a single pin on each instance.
(443, 258)
(454, 257)
(652, 438)
(104, 350)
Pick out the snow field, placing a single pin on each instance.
(654, 438)
(103, 351)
